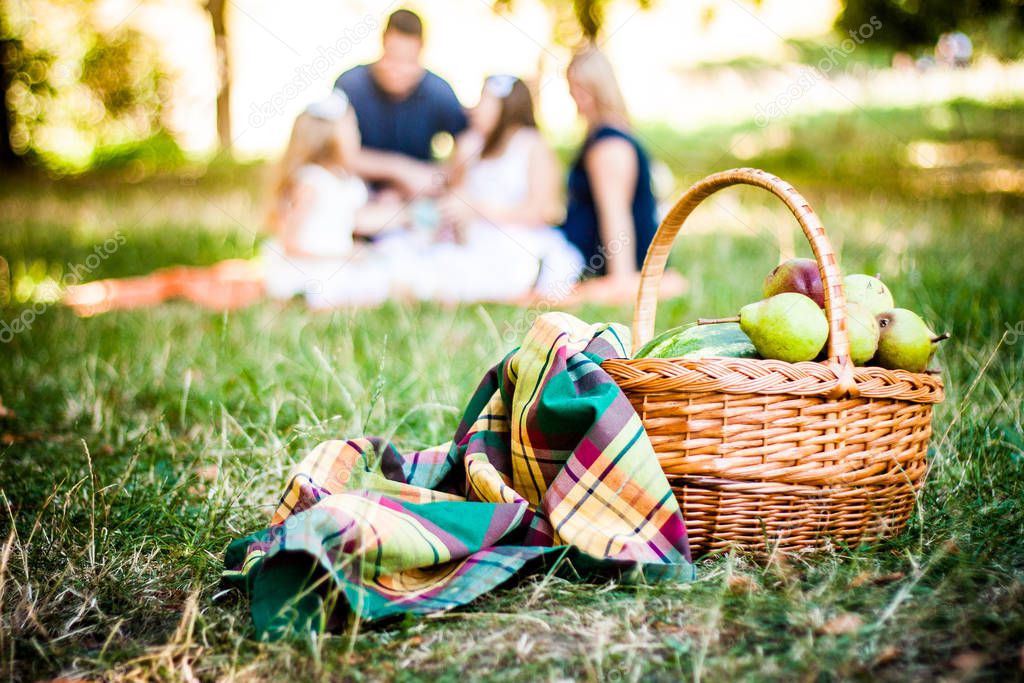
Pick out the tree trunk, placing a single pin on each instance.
(216, 9)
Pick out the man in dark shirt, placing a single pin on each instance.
(401, 106)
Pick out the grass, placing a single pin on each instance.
(144, 441)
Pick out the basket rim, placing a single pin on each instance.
(715, 374)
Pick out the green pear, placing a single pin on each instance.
(870, 291)
(905, 342)
(798, 275)
(787, 326)
(862, 328)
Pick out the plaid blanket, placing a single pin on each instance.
(550, 469)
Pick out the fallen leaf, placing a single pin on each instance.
(889, 578)
(847, 622)
(6, 413)
(968, 661)
(355, 658)
(7, 438)
(888, 654)
(740, 583)
(876, 579)
(860, 579)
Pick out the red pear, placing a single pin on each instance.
(798, 275)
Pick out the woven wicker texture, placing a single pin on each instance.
(769, 456)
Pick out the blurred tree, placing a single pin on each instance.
(587, 17)
(572, 23)
(591, 15)
(67, 95)
(121, 71)
(22, 72)
(909, 24)
(216, 11)
(9, 47)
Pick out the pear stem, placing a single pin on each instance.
(716, 321)
(941, 337)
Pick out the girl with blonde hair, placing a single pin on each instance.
(315, 204)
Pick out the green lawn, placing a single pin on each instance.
(144, 441)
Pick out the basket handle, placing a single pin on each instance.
(814, 231)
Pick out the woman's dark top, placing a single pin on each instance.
(581, 214)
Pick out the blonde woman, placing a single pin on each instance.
(610, 217)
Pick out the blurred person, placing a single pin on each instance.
(963, 49)
(502, 206)
(316, 205)
(401, 106)
(902, 61)
(954, 50)
(611, 212)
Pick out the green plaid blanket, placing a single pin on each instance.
(550, 468)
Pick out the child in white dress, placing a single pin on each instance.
(314, 208)
(313, 214)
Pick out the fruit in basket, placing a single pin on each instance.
(905, 341)
(863, 331)
(870, 291)
(787, 326)
(798, 275)
(700, 341)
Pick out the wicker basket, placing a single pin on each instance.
(770, 456)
